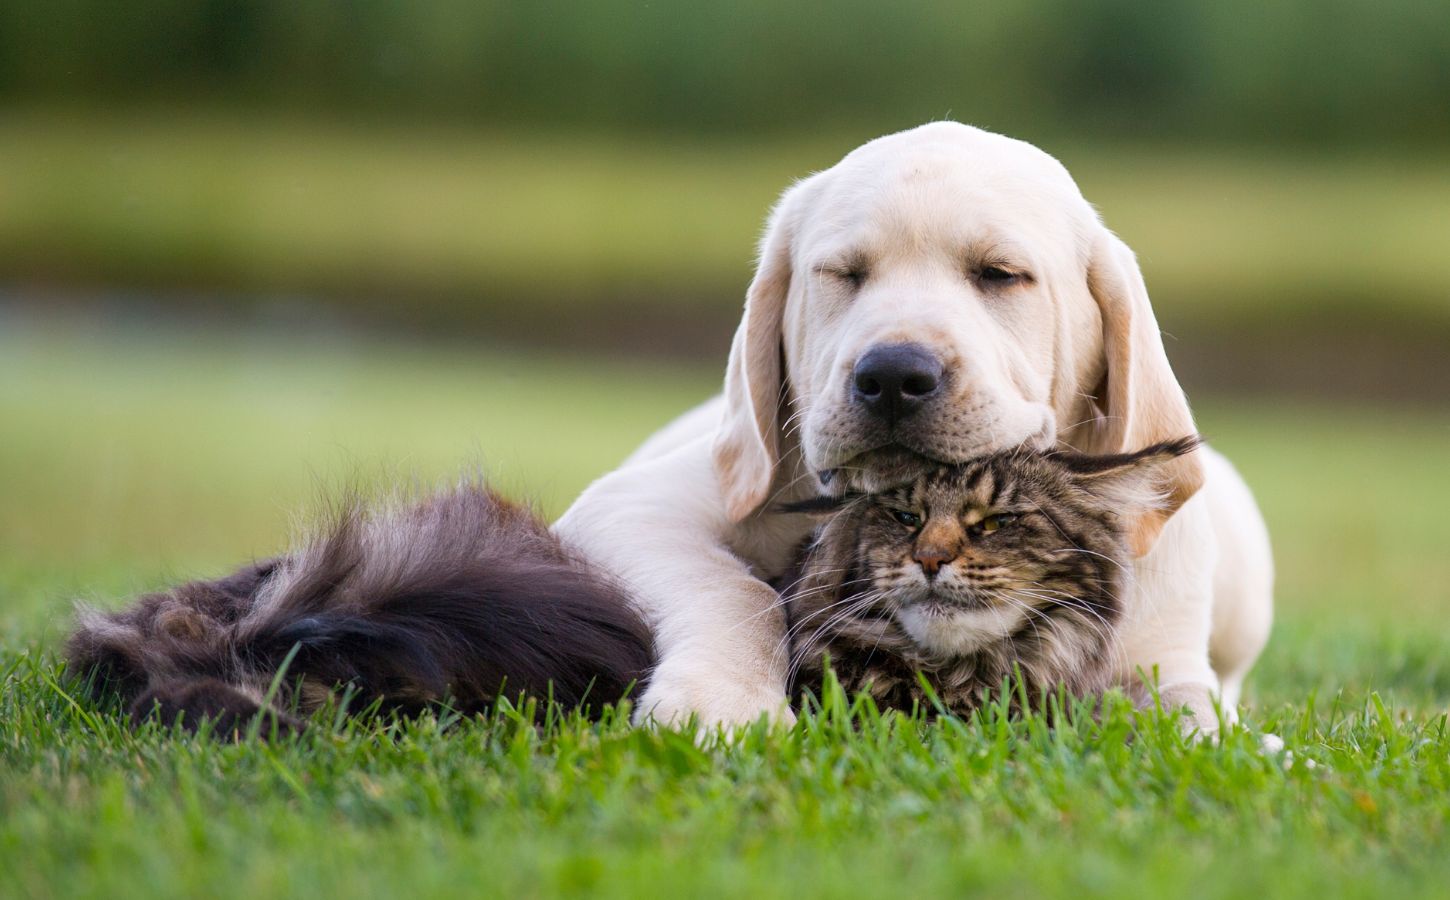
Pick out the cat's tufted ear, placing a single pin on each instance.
(1140, 399)
(1132, 484)
(747, 444)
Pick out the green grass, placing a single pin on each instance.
(131, 459)
(488, 226)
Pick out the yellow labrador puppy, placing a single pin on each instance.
(940, 293)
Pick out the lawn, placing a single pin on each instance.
(134, 456)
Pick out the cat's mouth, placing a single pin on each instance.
(953, 627)
(939, 603)
(934, 607)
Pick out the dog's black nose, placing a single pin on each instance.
(895, 380)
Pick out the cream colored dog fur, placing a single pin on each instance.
(981, 249)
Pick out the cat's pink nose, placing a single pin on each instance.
(931, 560)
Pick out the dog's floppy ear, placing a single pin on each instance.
(1140, 398)
(747, 446)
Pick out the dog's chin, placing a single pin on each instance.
(877, 470)
(864, 456)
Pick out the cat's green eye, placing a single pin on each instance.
(909, 519)
(990, 524)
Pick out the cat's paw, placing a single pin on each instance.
(677, 693)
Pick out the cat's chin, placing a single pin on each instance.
(950, 629)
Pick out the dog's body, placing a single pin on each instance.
(941, 293)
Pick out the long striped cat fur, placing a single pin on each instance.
(456, 598)
(1012, 566)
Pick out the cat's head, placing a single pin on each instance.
(969, 553)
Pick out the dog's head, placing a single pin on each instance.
(940, 294)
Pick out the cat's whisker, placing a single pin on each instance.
(830, 586)
(1054, 626)
(869, 597)
(1101, 627)
(781, 603)
(1033, 613)
(790, 589)
(1062, 599)
(811, 643)
(1102, 556)
(1080, 605)
(866, 599)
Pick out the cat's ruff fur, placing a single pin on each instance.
(457, 597)
(1073, 355)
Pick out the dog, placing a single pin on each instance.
(938, 294)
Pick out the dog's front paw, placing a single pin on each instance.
(678, 692)
(1201, 715)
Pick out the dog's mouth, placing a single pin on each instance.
(877, 469)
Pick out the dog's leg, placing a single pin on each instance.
(1168, 618)
(1243, 582)
(658, 526)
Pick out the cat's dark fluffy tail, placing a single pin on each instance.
(456, 598)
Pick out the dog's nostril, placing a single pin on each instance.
(868, 386)
(919, 384)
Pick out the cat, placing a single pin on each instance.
(454, 599)
(963, 574)
(1007, 568)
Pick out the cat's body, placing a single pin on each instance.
(460, 597)
(465, 595)
(1005, 569)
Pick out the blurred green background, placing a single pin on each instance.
(255, 251)
(594, 172)
(252, 248)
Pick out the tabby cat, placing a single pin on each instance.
(1016, 560)
(970, 574)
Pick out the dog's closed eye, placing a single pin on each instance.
(851, 270)
(999, 275)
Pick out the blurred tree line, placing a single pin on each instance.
(1288, 70)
